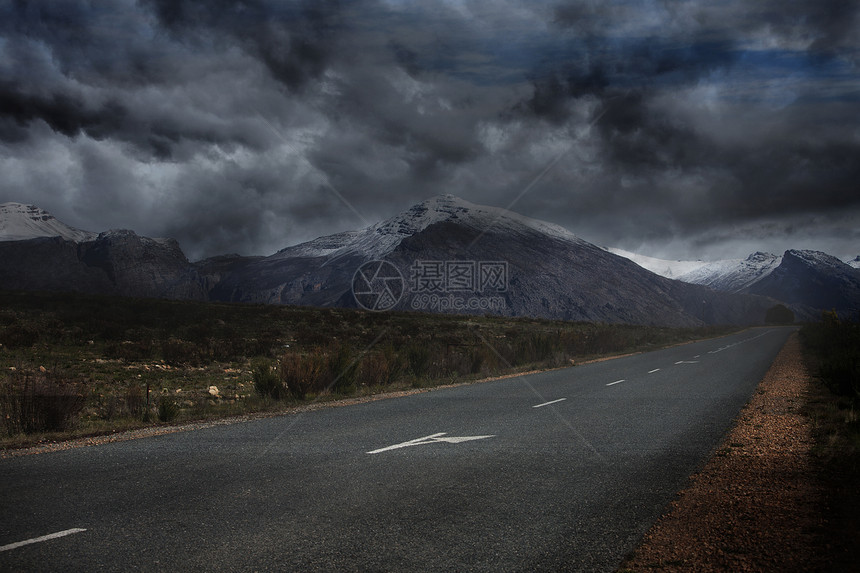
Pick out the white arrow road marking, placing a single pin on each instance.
(548, 403)
(460, 439)
(41, 539)
(431, 439)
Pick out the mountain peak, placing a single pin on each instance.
(447, 207)
(376, 241)
(815, 258)
(760, 256)
(19, 222)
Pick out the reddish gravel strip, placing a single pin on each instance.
(757, 505)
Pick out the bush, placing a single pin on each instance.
(779, 314)
(342, 369)
(168, 409)
(18, 336)
(30, 404)
(380, 368)
(836, 345)
(266, 381)
(304, 373)
(134, 400)
(177, 352)
(129, 351)
(418, 358)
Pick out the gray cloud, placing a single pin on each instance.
(248, 125)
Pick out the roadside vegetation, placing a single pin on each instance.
(832, 351)
(74, 365)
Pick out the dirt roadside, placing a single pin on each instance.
(759, 503)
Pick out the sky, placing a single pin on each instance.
(697, 129)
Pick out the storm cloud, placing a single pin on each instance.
(683, 129)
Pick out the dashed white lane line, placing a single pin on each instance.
(41, 539)
(653, 371)
(616, 382)
(548, 403)
(687, 362)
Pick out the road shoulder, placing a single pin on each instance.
(758, 504)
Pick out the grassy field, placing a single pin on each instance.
(74, 365)
(832, 350)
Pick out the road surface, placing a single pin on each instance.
(557, 471)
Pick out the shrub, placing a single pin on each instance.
(266, 381)
(134, 400)
(836, 345)
(418, 358)
(779, 314)
(342, 369)
(177, 352)
(380, 368)
(168, 409)
(30, 404)
(129, 351)
(18, 336)
(304, 373)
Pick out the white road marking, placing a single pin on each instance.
(548, 403)
(41, 539)
(431, 439)
(653, 371)
(687, 362)
(616, 382)
(738, 342)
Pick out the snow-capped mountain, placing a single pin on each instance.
(810, 280)
(39, 252)
(733, 275)
(376, 241)
(855, 262)
(551, 272)
(663, 267)
(548, 271)
(813, 279)
(19, 222)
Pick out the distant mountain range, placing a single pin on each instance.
(443, 254)
(808, 280)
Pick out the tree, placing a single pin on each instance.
(779, 314)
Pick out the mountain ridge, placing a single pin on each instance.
(550, 272)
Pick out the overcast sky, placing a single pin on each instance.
(698, 129)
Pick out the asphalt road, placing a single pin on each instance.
(564, 486)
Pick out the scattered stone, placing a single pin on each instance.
(213, 391)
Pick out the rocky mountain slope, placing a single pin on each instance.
(38, 252)
(810, 281)
(813, 279)
(733, 275)
(19, 222)
(550, 272)
(445, 254)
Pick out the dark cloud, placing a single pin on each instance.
(294, 40)
(248, 125)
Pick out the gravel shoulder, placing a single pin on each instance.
(759, 503)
